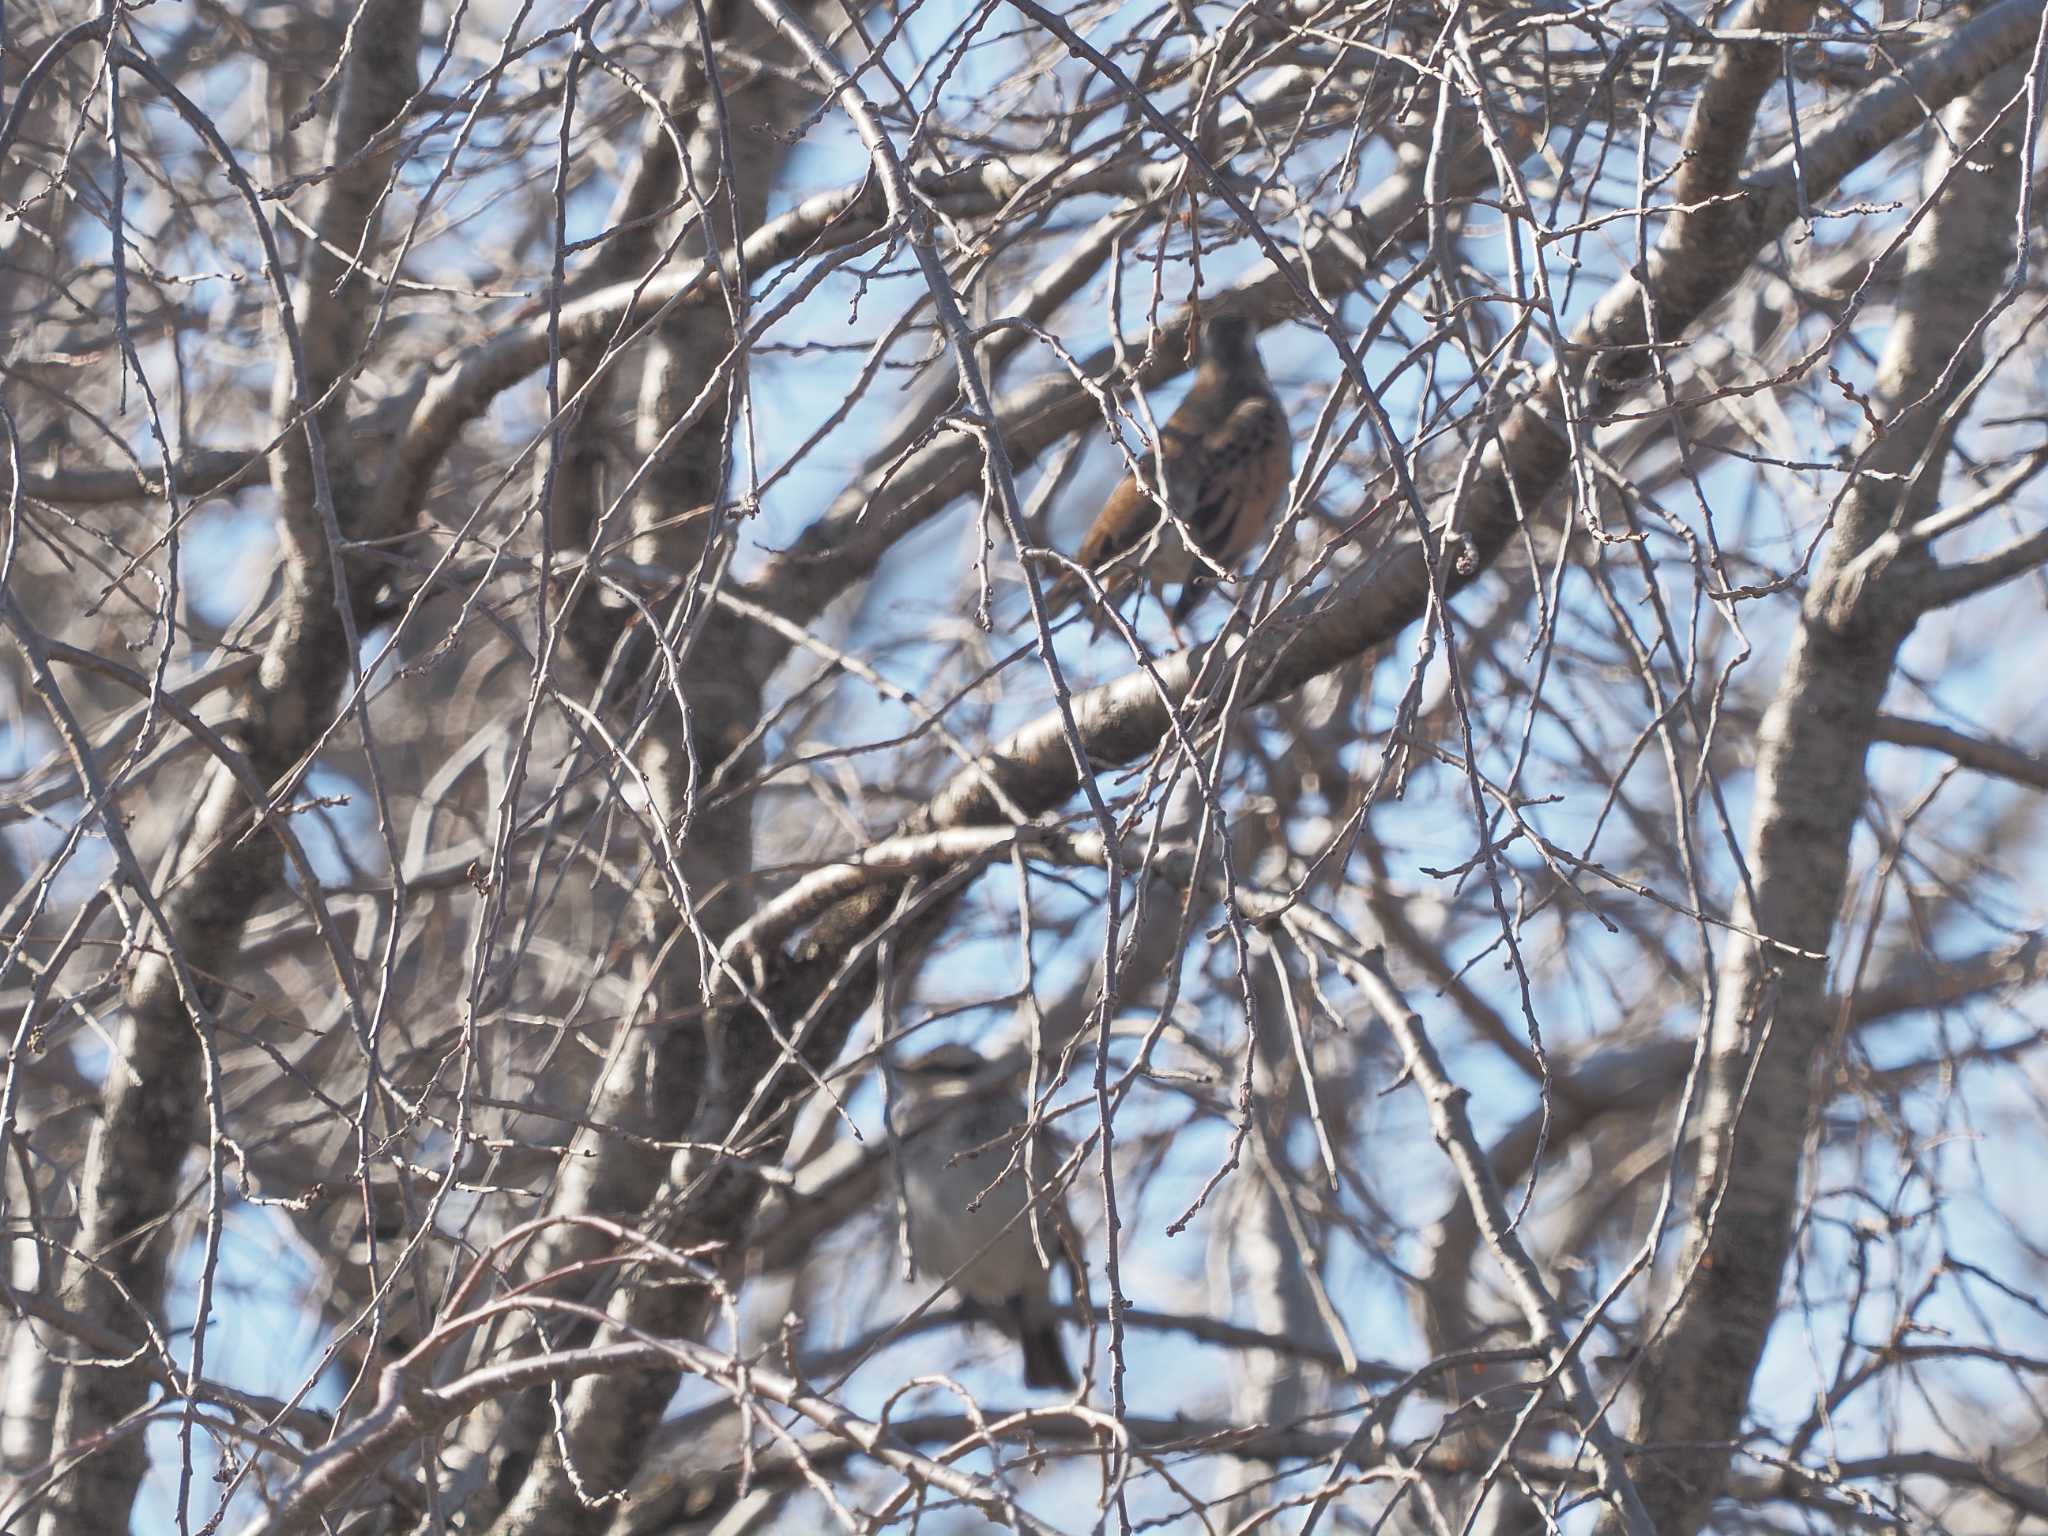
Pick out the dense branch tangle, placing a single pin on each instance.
(522, 533)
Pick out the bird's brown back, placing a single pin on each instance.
(1223, 461)
(1190, 443)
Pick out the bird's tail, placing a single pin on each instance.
(1068, 591)
(1062, 595)
(1045, 1356)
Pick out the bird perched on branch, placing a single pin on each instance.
(1226, 453)
(969, 1225)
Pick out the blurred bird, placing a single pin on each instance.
(987, 1253)
(1226, 452)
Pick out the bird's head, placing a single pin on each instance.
(943, 1072)
(1229, 341)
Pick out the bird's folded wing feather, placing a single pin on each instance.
(1243, 467)
(1129, 516)
(1119, 526)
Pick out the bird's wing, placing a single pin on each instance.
(1240, 472)
(1221, 479)
(1123, 521)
